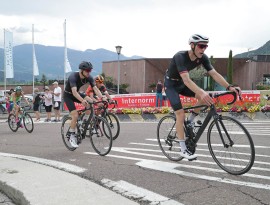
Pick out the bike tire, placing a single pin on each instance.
(28, 123)
(101, 142)
(65, 132)
(114, 124)
(238, 158)
(12, 122)
(167, 138)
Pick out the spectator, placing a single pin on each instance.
(8, 95)
(164, 98)
(48, 103)
(36, 103)
(159, 88)
(57, 97)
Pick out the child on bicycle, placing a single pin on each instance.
(99, 80)
(15, 101)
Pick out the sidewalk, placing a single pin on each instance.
(26, 182)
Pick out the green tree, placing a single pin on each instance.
(43, 80)
(230, 69)
(211, 80)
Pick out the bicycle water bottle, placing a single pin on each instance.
(190, 127)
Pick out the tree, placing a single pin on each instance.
(211, 80)
(230, 69)
(43, 80)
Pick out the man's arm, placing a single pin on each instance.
(218, 78)
(200, 93)
(76, 94)
(97, 91)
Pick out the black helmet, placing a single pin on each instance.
(85, 66)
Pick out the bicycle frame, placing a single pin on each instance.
(212, 113)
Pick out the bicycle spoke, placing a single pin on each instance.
(167, 139)
(236, 158)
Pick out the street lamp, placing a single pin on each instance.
(118, 50)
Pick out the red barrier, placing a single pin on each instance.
(139, 100)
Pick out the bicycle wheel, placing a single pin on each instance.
(101, 142)
(28, 123)
(167, 138)
(12, 122)
(237, 156)
(65, 132)
(114, 124)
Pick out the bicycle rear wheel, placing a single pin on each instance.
(167, 138)
(28, 123)
(65, 132)
(12, 122)
(238, 154)
(114, 124)
(101, 142)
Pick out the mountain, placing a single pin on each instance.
(50, 60)
(264, 50)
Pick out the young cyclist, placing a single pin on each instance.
(72, 94)
(15, 101)
(99, 79)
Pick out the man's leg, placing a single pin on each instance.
(180, 117)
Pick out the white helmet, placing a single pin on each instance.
(196, 38)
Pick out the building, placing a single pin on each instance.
(141, 73)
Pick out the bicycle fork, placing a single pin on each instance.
(218, 119)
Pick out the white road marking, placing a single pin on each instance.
(59, 165)
(141, 194)
(170, 168)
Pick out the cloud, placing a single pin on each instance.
(150, 28)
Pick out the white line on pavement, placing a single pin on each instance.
(138, 193)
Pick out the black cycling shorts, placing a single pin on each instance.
(69, 99)
(173, 89)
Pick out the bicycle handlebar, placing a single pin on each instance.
(234, 94)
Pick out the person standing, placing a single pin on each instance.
(48, 103)
(57, 96)
(159, 88)
(36, 103)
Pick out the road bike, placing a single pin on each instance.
(95, 127)
(111, 118)
(229, 142)
(24, 119)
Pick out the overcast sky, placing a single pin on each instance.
(149, 28)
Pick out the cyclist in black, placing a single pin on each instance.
(177, 81)
(71, 94)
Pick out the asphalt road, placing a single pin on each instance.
(136, 163)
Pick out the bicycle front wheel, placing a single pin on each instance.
(100, 135)
(236, 153)
(28, 123)
(12, 122)
(65, 132)
(167, 138)
(114, 124)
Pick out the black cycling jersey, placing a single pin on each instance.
(181, 63)
(74, 80)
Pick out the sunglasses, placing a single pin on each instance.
(202, 46)
(87, 71)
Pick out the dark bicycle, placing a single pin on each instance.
(97, 127)
(24, 119)
(111, 118)
(229, 142)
